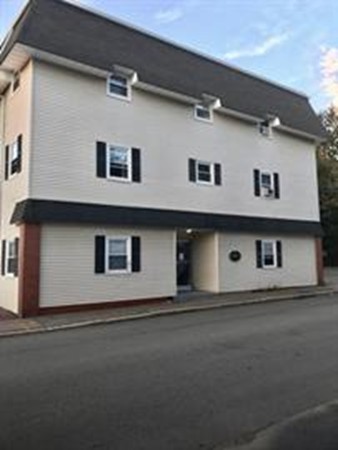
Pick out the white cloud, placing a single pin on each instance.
(169, 15)
(329, 71)
(258, 50)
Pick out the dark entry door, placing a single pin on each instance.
(183, 263)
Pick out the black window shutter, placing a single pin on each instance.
(276, 185)
(136, 164)
(259, 261)
(136, 254)
(16, 265)
(100, 242)
(218, 174)
(101, 159)
(257, 188)
(19, 144)
(192, 169)
(3, 257)
(6, 162)
(279, 253)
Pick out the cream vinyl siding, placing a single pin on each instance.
(298, 269)
(73, 111)
(67, 267)
(18, 118)
(204, 263)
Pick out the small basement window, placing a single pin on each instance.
(203, 113)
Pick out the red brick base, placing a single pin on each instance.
(319, 261)
(29, 269)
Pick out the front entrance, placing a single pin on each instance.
(183, 265)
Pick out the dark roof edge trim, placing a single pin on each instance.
(50, 211)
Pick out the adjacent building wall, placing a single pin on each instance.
(299, 263)
(67, 267)
(73, 111)
(17, 120)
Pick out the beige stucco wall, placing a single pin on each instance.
(299, 263)
(17, 121)
(67, 267)
(204, 262)
(72, 112)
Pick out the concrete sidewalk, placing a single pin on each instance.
(181, 304)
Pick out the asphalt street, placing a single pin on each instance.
(205, 380)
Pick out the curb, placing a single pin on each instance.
(167, 312)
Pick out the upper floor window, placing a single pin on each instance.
(204, 172)
(118, 163)
(268, 254)
(119, 86)
(13, 156)
(266, 184)
(203, 112)
(266, 126)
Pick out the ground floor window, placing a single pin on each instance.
(269, 254)
(118, 254)
(10, 250)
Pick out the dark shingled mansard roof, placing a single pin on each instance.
(71, 32)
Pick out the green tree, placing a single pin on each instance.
(327, 163)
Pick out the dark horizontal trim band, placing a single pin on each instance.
(49, 211)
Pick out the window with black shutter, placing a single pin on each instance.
(118, 163)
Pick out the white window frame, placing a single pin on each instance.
(274, 253)
(263, 188)
(114, 94)
(129, 163)
(13, 147)
(127, 239)
(203, 119)
(9, 243)
(212, 173)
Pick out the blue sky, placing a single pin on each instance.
(293, 42)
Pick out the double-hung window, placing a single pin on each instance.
(204, 172)
(269, 254)
(9, 259)
(266, 184)
(119, 163)
(13, 156)
(118, 254)
(118, 86)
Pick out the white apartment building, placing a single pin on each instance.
(133, 168)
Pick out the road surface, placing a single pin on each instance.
(205, 380)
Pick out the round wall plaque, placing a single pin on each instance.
(235, 255)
